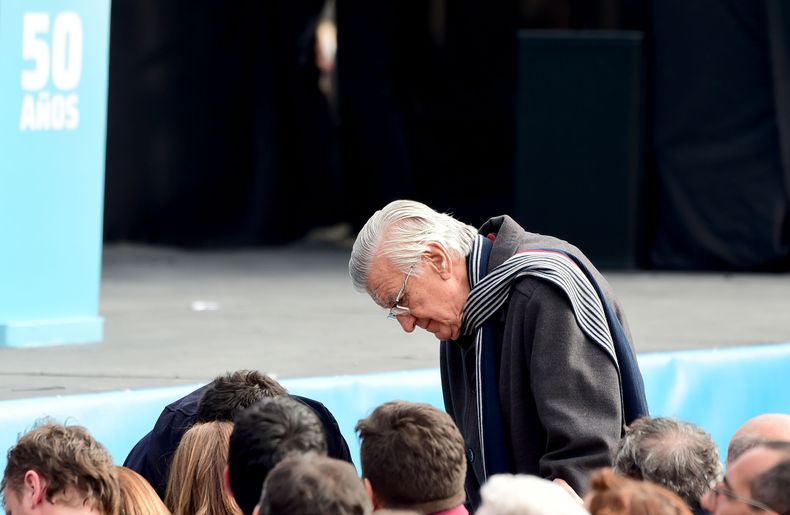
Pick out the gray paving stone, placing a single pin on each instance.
(179, 317)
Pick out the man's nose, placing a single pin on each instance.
(406, 322)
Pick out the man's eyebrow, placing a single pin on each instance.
(382, 302)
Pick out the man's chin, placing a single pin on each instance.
(444, 332)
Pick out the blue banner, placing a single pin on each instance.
(53, 111)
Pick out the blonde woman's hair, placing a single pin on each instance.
(138, 497)
(195, 485)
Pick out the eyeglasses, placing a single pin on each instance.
(398, 310)
(722, 488)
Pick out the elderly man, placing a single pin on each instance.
(537, 367)
(740, 491)
(762, 428)
(675, 454)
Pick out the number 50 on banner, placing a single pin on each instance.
(56, 52)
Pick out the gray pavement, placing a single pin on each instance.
(178, 317)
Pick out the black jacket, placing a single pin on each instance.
(152, 455)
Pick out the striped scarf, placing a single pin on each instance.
(490, 292)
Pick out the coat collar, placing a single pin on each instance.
(509, 236)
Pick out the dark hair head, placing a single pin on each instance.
(675, 454)
(740, 444)
(772, 487)
(414, 456)
(71, 462)
(314, 485)
(234, 391)
(611, 494)
(263, 435)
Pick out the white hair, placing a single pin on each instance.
(506, 494)
(401, 232)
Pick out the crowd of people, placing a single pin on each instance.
(546, 409)
(243, 445)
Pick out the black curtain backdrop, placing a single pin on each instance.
(219, 136)
(719, 79)
(217, 133)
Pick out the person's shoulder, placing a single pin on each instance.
(188, 404)
(536, 289)
(310, 403)
(336, 443)
(539, 297)
(525, 287)
(321, 411)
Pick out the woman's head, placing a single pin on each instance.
(138, 497)
(611, 494)
(195, 486)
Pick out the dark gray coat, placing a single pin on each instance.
(560, 392)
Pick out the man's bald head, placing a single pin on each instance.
(769, 426)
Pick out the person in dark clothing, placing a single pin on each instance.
(219, 400)
(263, 435)
(537, 366)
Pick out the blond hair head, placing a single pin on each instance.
(195, 485)
(138, 497)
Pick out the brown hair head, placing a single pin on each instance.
(195, 486)
(611, 494)
(310, 484)
(233, 392)
(138, 497)
(77, 469)
(413, 455)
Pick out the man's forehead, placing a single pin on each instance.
(381, 298)
(382, 282)
(381, 292)
(753, 463)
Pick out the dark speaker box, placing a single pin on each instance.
(579, 140)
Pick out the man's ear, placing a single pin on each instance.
(226, 480)
(439, 259)
(35, 489)
(372, 495)
(257, 510)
